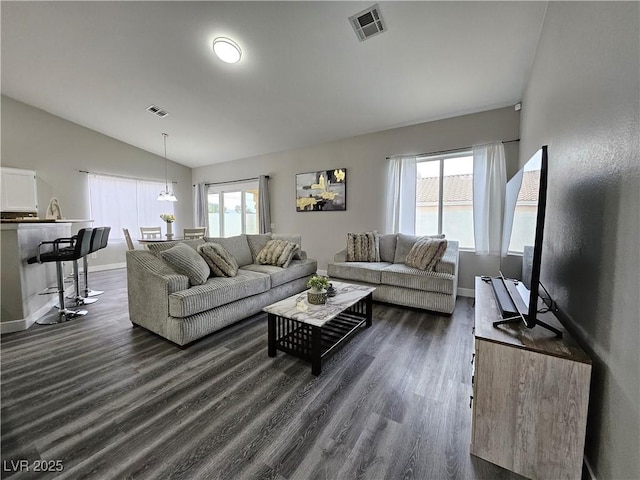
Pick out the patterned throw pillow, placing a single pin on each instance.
(405, 243)
(220, 261)
(278, 253)
(426, 253)
(363, 247)
(257, 243)
(185, 260)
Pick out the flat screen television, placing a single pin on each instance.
(525, 205)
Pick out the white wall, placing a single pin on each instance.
(364, 157)
(56, 149)
(583, 101)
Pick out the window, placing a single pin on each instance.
(444, 197)
(126, 203)
(523, 231)
(233, 209)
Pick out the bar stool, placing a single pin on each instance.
(97, 237)
(80, 245)
(104, 240)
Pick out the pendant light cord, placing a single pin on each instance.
(166, 165)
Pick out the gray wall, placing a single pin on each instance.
(364, 157)
(583, 101)
(56, 149)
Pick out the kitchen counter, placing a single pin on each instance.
(21, 283)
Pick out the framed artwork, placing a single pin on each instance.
(322, 191)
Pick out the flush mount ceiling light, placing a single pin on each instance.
(227, 50)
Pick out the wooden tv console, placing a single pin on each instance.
(530, 395)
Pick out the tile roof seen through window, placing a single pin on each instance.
(459, 188)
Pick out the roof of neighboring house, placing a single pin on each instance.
(459, 188)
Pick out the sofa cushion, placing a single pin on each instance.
(236, 246)
(368, 272)
(404, 244)
(278, 253)
(221, 262)
(187, 261)
(363, 247)
(425, 254)
(156, 248)
(217, 291)
(279, 276)
(257, 243)
(291, 237)
(401, 275)
(387, 246)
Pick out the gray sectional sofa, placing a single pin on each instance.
(399, 283)
(163, 301)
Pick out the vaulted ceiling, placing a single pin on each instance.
(304, 77)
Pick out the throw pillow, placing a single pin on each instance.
(363, 247)
(257, 243)
(404, 244)
(425, 254)
(220, 261)
(237, 246)
(278, 253)
(291, 237)
(187, 261)
(158, 247)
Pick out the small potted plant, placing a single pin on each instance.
(318, 293)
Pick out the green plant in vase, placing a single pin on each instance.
(318, 283)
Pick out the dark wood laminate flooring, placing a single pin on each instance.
(112, 401)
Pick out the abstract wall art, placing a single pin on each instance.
(321, 191)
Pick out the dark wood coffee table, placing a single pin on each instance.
(312, 332)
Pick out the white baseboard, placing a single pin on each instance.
(466, 292)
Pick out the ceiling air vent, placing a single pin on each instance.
(368, 23)
(157, 111)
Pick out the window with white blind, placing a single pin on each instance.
(233, 209)
(126, 203)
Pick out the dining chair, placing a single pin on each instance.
(194, 233)
(127, 237)
(150, 232)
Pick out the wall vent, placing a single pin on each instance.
(157, 111)
(368, 23)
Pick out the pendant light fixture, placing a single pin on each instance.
(166, 195)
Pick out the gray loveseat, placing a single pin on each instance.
(163, 301)
(399, 283)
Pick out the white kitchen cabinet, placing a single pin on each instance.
(18, 190)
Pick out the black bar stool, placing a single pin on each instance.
(100, 242)
(79, 247)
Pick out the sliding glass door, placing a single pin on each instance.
(233, 209)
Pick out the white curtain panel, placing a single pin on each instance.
(489, 184)
(202, 206)
(401, 196)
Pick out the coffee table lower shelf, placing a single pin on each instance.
(314, 343)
